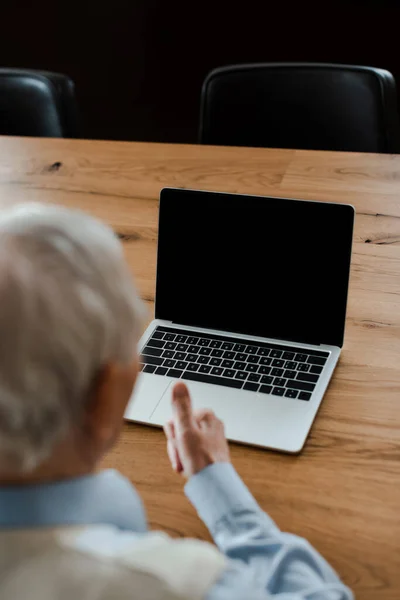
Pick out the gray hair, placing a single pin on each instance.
(68, 306)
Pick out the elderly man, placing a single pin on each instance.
(69, 323)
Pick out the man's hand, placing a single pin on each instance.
(194, 440)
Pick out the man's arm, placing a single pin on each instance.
(263, 563)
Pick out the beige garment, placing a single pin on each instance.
(104, 563)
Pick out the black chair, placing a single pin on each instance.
(37, 103)
(300, 105)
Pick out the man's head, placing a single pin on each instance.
(69, 323)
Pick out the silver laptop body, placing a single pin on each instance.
(251, 301)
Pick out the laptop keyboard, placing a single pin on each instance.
(253, 366)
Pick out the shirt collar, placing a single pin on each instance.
(104, 498)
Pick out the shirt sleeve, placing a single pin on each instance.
(263, 562)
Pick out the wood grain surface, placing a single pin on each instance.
(343, 491)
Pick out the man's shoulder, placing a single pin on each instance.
(105, 560)
(188, 567)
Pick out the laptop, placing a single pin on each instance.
(250, 312)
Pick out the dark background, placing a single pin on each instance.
(139, 64)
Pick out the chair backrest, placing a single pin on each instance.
(37, 103)
(301, 105)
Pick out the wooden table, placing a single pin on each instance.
(343, 491)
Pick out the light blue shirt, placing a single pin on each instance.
(263, 562)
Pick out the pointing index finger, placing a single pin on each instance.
(182, 408)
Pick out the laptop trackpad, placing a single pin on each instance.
(228, 404)
(146, 395)
(258, 419)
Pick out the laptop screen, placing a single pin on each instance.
(269, 267)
